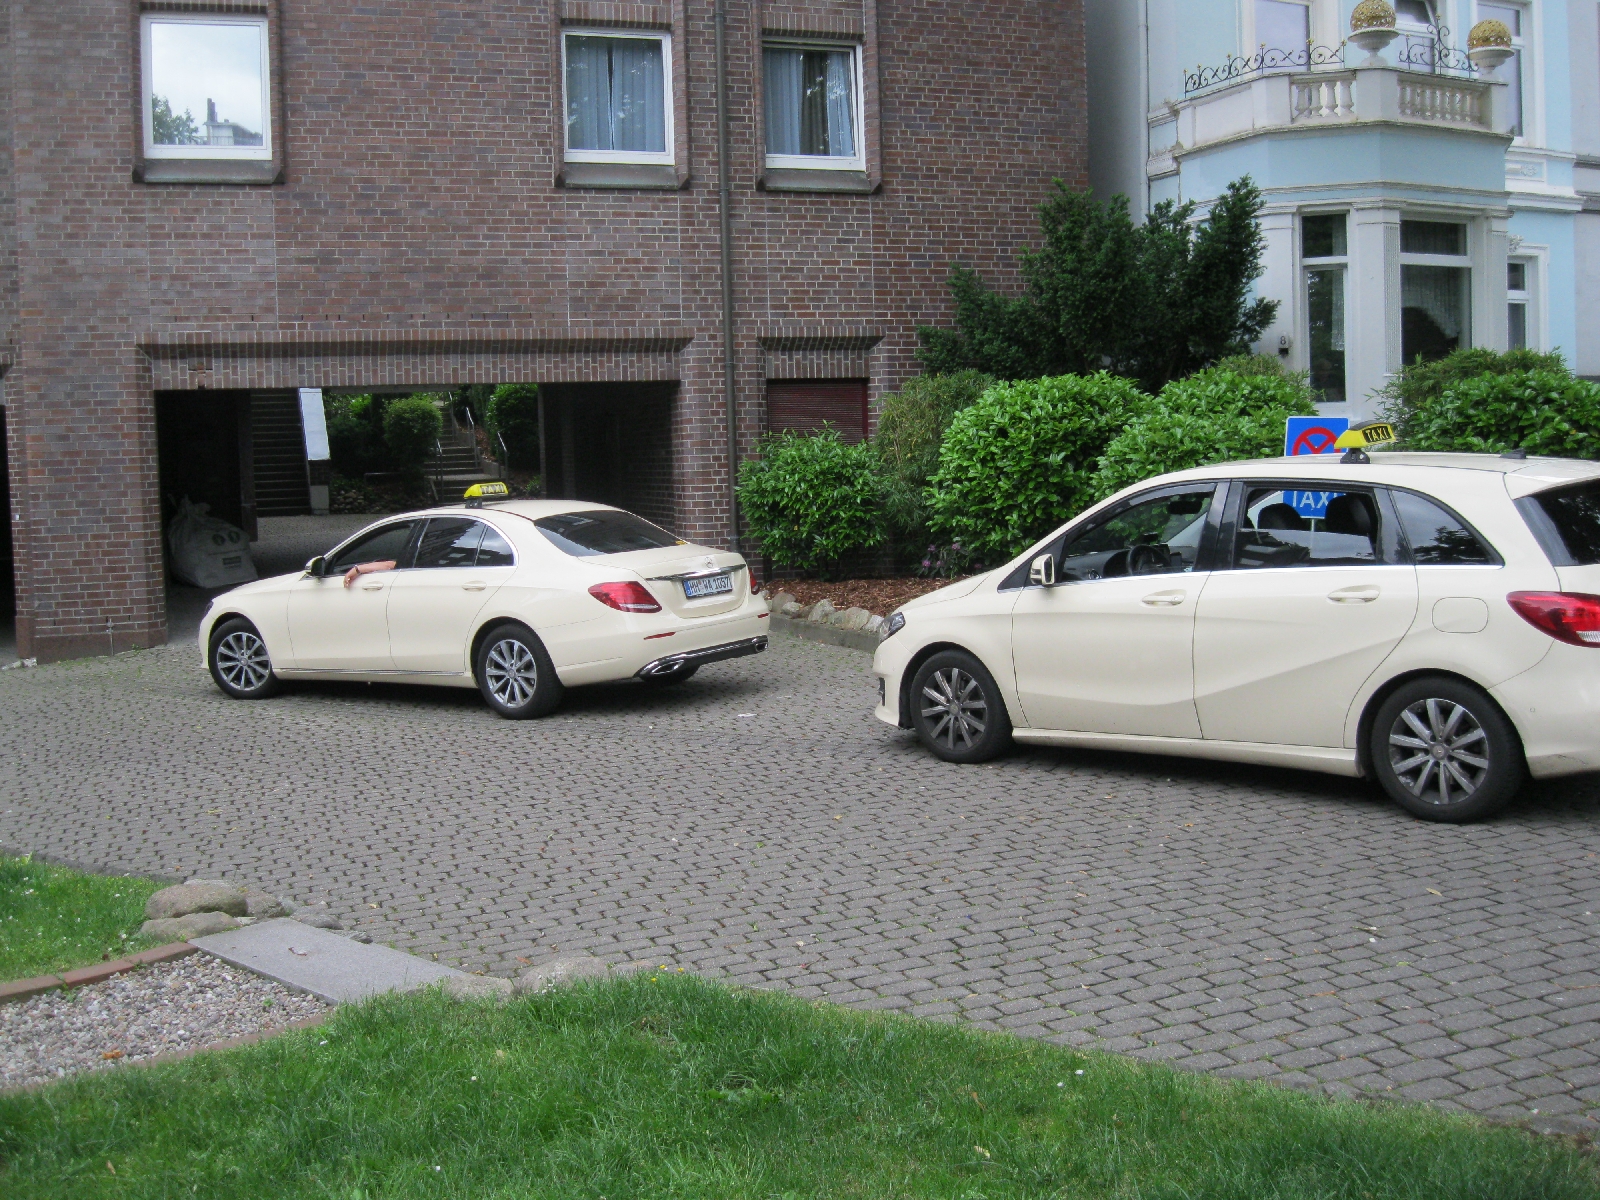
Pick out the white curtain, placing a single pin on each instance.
(810, 102)
(615, 94)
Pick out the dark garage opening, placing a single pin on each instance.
(611, 443)
(204, 450)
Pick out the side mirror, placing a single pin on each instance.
(317, 567)
(1043, 571)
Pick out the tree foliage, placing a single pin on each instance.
(512, 417)
(1235, 410)
(1023, 459)
(411, 428)
(168, 128)
(1152, 302)
(810, 500)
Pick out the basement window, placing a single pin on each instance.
(207, 93)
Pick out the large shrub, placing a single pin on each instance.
(809, 501)
(1479, 401)
(411, 427)
(512, 417)
(911, 425)
(1235, 410)
(1022, 460)
(1153, 301)
(355, 434)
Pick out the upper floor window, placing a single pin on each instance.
(206, 87)
(619, 96)
(813, 103)
(1414, 15)
(1283, 25)
(1513, 73)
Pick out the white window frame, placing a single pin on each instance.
(1536, 261)
(1526, 44)
(822, 162)
(1467, 261)
(263, 152)
(1322, 20)
(1339, 262)
(667, 157)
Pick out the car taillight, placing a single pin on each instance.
(625, 597)
(1572, 617)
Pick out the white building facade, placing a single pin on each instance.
(1414, 204)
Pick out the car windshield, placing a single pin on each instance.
(1570, 523)
(604, 531)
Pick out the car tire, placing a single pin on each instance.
(514, 673)
(681, 675)
(1444, 751)
(239, 662)
(956, 709)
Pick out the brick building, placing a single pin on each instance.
(205, 205)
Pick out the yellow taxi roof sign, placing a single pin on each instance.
(483, 491)
(1359, 437)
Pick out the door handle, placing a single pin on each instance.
(372, 587)
(1363, 594)
(1164, 599)
(474, 586)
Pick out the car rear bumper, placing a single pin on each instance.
(1556, 708)
(698, 658)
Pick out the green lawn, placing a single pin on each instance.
(665, 1086)
(54, 919)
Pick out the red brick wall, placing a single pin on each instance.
(418, 238)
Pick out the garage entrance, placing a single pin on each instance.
(611, 443)
(204, 451)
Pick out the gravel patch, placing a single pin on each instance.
(180, 1005)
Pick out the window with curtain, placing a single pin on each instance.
(812, 103)
(1435, 289)
(618, 99)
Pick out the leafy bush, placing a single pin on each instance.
(1153, 301)
(1234, 410)
(411, 427)
(1022, 460)
(1480, 401)
(355, 434)
(910, 428)
(809, 501)
(512, 416)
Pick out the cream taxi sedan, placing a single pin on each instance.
(1429, 621)
(520, 599)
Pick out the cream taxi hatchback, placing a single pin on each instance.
(520, 599)
(1428, 621)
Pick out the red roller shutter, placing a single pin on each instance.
(804, 404)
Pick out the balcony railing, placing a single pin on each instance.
(1429, 51)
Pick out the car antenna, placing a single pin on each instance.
(1518, 453)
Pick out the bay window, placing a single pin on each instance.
(1435, 289)
(1324, 252)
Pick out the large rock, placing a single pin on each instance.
(853, 619)
(821, 611)
(478, 988)
(204, 895)
(780, 602)
(792, 609)
(188, 926)
(542, 977)
(263, 904)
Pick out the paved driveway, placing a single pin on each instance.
(759, 825)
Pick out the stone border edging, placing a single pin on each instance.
(828, 635)
(26, 989)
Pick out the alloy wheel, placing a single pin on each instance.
(1439, 751)
(242, 661)
(511, 673)
(956, 708)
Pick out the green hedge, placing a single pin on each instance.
(809, 501)
(1023, 459)
(411, 428)
(911, 425)
(512, 416)
(1235, 410)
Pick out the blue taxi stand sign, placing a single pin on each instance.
(1312, 436)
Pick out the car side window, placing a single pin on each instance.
(382, 544)
(1437, 538)
(1279, 527)
(449, 542)
(1158, 536)
(495, 551)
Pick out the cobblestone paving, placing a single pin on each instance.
(757, 824)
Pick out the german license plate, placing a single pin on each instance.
(708, 585)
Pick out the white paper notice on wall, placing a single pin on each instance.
(315, 423)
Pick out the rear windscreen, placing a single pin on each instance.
(1567, 522)
(604, 531)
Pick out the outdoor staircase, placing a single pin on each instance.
(279, 454)
(456, 463)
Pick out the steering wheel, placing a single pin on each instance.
(1146, 560)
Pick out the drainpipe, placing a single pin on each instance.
(724, 205)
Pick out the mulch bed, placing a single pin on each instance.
(881, 596)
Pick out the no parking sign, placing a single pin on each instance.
(1312, 435)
